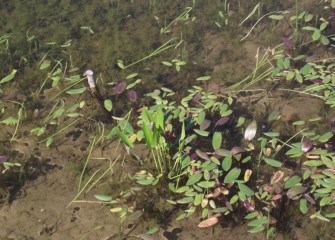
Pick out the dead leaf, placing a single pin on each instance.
(208, 222)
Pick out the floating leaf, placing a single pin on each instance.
(277, 177)
(103, 198)
(206, 184)
(118, 89)
(49, 141)
(272, 162)
(232, 175)
(208, 222)
(251, 130)
(288, 43)
(307, 145)
(205, 124)
(222, 121)
(236, 150)
(201, 132)
(247, 175)
(76, 91)
(325, 137)
(258, 222)
(227, 163)
(194, 179)
(293, 181)
(9, 121)
(132, 96)
(108, 105)
(294, 191)
(217, 140)
(245, 189)
(131, 75)
(203, 78)
(9, 77)
(202, 154)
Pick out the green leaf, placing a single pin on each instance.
(194, 179)
(293, 181)
(167, 63)
(131, 75)
(276, 17)
(203, 78)
(185, 200)
(251, 215)
(145, 181)
(201, 132)
(257, 229)
(272, 162)
(76, 91)
(49, 141)
(313, 163)
(240, 121)
(232, 175)
(316, 34)
(245, 189)
(9, 121)
(103, 198)
(152, 230)
(258, 222)
(303, 206)
(227, 163)
(206, 184)
(8, 77)
(108, 105)
(325, 137)
(125, 139)
(217, 140)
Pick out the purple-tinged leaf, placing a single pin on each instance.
(132, 96)
(205, 124)
(118, 89)
(221, 153)
(236, 150)
(202, 155)
(295, 191)
(197, 97)
(288, 43)
(276, 197)
(3, 159)
(222, 121)
(307, 145)
(229, 206)
(309, 198)
(311, 58)
(193, 156)
(248, 206)
(316, 81)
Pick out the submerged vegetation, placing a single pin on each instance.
(205, 152)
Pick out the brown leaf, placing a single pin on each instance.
(208, 222)
(277, 177)
(247, 175)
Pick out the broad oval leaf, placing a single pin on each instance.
(217, 140)
(294, 191)
(251, 130)
(272, 162)
(194, 179)
(103, 198)
(293, 181)
(76, 91)
(206, 184)
(208, 222)
(202, 155)
(108, 105)
(232, 175)
(246, 190)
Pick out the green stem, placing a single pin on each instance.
(86, 163)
